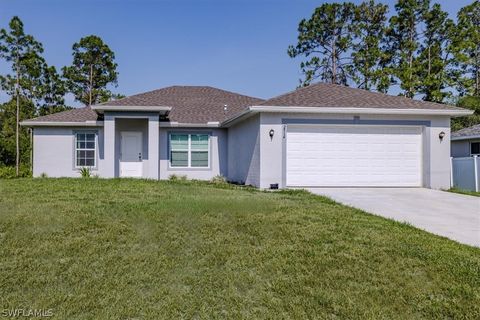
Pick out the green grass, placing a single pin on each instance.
(133, 249)
(467, 192)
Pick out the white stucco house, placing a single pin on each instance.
(320, 135)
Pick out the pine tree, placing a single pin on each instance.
(23, 52)
(403, 36)
(466, 49)
(435, 56)
(369, 61)
(92, 70)
(326, 39)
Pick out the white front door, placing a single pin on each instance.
(131, 154)
(354, 156)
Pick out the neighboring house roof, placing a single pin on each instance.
(467, 133)
(337, 96)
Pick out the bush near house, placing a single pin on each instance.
(9, 172)
(142, 249)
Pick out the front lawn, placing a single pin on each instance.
(133, 249)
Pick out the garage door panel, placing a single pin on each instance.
(354, 156)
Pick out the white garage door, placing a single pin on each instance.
(370, 156)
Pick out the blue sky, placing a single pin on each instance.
(237, 45)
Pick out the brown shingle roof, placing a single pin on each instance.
(74, 115)
(338, 96)
(191, 104)
(196, 104)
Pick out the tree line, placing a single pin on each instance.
(418, 49)
(36, 88)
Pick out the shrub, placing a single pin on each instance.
(174, 177)
(43, 175)
(85, 172)
(9, 172)
(219, 179)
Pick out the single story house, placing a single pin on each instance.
(321, 135)
(466, 142)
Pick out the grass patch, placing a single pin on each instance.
(136, 249)
(467, 192)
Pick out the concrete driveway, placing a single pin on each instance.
(444, 213)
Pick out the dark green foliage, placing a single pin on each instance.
(370, 70)
(404, 42)
(472, 103)
(32, 85)
(7, 132)
(38, 82)
(92, 70)
(85, 172)
(9, 172)
(466, 47)
(435, 57)
(326, 39)
(41, 89)
(353, 44)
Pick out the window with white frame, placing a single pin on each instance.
(189, 150)
(85, 149)
(475, 148)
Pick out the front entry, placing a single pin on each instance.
(131, 156)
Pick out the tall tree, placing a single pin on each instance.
(467, 102)
(326, 39)
(52, 92)
(92, 70)
(434, 56)
(22, 51)
(466, 45)
(8, 132)
(404, 37)
(369, 60)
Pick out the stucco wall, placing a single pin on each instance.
(436, 153)
(145, 122)
(218, 154)
(244, 152)
(54, 151)
(461, 148)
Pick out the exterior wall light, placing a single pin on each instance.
(441, 135)
(271, 133)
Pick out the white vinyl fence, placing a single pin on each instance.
(466, 173)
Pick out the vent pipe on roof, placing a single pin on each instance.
(225, 108)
